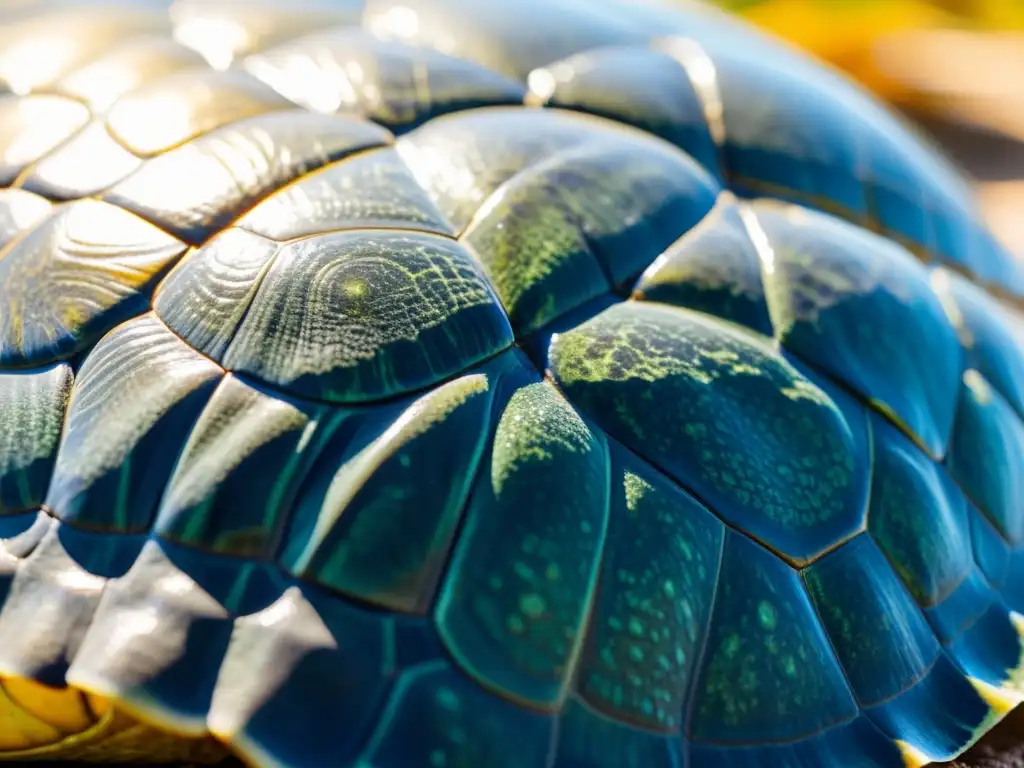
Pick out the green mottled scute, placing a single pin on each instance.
(522, 578)
(769, 669)
(658, 581)
(491, 384)
(753, 437)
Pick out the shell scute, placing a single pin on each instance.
(862, 308)
(82, 272)
(892, 659)
(325, 669)
(516, 621)
(438, 717)
(393, 83)
(201, 186)
(654, 598)
(392, 480)
(713, 268)
(583, 222)
(796, 479)
(603, 82)
(383, 313)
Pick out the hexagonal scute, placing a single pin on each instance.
(986, 456)
(514, 604)
(383, 312)
(365, 341)
(714, 268)
(770, 690)
(604, 81)
(584, 222)
(86, 269)
(922, 522)
(726, 416)
(861, 308)
(400, 86)
(202, 186)
(900, 676)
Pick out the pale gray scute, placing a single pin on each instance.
(276, 641)
(78, 275)
(199, 188)
(172, 110)
(462, 159)
(89, 162)
(19, 212)
(129, 382)
(137, 60)
(32, 126)
(47, 611)
(374, 189)
(31, 418)
(327, 317)
(23, 544)
(71, 36)
(398, 85)
(256, 25)
(141, 628)
(205, 297)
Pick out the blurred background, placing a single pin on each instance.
(956, 67)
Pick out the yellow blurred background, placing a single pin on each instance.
(955, 66)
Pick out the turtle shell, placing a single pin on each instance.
(463, 383)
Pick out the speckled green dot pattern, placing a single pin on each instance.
(654, 596)
(523, 576)
(790, 480)
(918, 517)
(770, 673)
